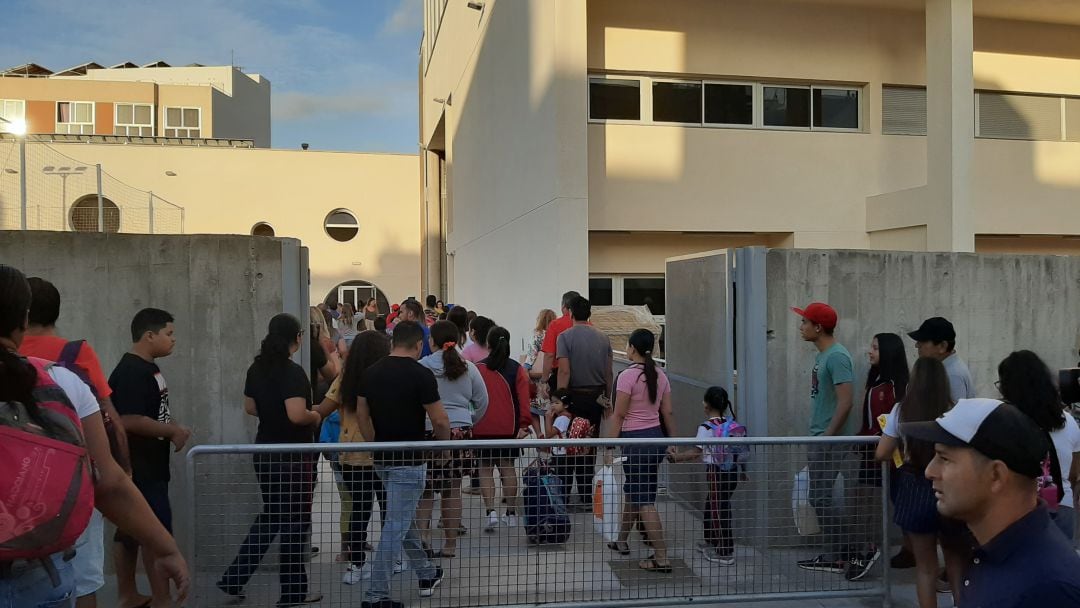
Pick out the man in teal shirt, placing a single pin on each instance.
(831, 390)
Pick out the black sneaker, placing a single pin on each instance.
(428, 585)
(383, 603)
(820, 564)
(861, 564)
(902, 560)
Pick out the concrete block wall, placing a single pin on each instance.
(222, 290)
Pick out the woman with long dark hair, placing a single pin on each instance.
(278, 393)
(927, 398)
(465, 399)
(642, 399)
(459, 316)
(507, 417)
(63, 409)
(1025, 381)
(476, 350)
(886, 382)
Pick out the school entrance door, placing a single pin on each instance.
(358, 293)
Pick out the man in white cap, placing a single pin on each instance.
(988, 456)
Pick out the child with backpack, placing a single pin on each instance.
(725, 467)
(561, 424)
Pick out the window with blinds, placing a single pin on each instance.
(903, 110)
(1072, 119)
(1009, 116)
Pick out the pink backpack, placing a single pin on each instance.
(46, 491)
(726, 456)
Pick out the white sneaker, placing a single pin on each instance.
(510, 521)
(354, 574)
(399, 567)
(492, 522)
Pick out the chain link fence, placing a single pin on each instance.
(66, 194)
(604, 522)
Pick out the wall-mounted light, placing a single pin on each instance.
(476, 6)
(438, 99)
(171, 173)
(11, 171)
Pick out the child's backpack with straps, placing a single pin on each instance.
(726, 456)
(580, 428)
(46, 491)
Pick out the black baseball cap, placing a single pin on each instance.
(934, 329)
(997, 430)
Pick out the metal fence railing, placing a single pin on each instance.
(279, 522)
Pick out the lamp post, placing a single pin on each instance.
(63, 173)
(18, 129)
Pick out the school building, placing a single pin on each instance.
(577, 144)
(187, 150)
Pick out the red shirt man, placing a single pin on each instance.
(551, 339)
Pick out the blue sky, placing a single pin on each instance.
(343, 72)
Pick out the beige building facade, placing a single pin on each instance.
(180, 103)
(577, 144)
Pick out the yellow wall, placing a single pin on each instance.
(228, 190)
(645, 252)
(1036, 245)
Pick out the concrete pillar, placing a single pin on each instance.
(432, 249)
(950, 109)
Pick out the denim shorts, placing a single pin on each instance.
(642, 466)
(29, 585)
(89, 561)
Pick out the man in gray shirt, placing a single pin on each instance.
(936, 338)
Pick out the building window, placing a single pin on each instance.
(341, 225)
(786, 107)
(676, 102)
(647, 291)
(600, 291)
(14, 112)
(835, 108)
(1072, 119)
(183, 122)
(614, 99)
(262, 229)
(75, 117)
(729, 104)
(134, 119)
(903, 110)
(84, 214)
(1008, 116)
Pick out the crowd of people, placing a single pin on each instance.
(989, 481)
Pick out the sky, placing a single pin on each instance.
(343, 73)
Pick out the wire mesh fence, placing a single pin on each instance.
(603, 522)
(68, 194)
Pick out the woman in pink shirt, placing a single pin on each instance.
(642, 396)
(476, 350)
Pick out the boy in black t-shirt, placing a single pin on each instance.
(141, 398)
(395, 396)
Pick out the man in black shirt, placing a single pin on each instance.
(395, 396)
(142, 400)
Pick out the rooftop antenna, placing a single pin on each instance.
(232, 58)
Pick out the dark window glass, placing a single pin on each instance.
(786, 107)
(341, 225)
(676, 102)
(614, 99)
(600, 292)
(836, 108)
(729, 104)
(649, 292)
(262, 229)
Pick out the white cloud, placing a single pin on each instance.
(408, 16)
(294, 105)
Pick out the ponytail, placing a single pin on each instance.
(280, 336)
(445, 335)
(499, 344)
(643, 342)
(716, 397)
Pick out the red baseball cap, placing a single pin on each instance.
(818, 314)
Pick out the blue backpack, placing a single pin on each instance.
(726, 456)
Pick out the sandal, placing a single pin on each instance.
(651, 565)
(620, 548)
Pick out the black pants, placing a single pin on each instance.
(576, 467)
(284, 480)
(364, 487)
(718, 509)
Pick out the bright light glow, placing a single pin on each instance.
(16, 127)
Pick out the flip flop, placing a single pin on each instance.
(614, 546)
(651, 565)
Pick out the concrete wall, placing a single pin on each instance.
(512, 78)
(222, 290)
(229, 190)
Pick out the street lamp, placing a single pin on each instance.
(63, 173)
(18, 128)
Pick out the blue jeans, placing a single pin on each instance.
(404, 485)
(29, 586)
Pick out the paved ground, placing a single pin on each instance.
(503, 569)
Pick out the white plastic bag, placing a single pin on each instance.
(806, 521)
(607, 501)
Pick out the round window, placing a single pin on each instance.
(84, 215)
(341, 225)
(262, 229)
